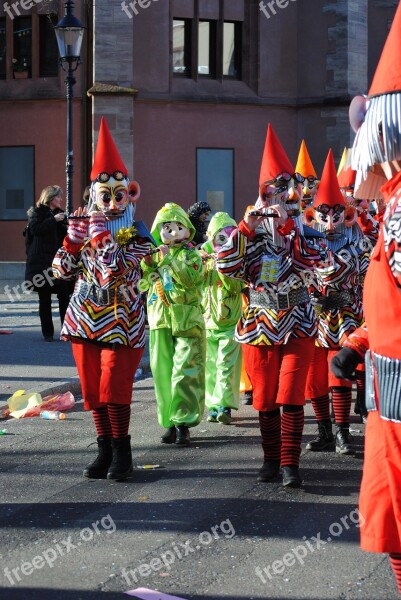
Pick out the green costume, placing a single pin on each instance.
(222, 303)
(177, 328)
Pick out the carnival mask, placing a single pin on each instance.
(173, 232)
(111, 194)
(285, 190)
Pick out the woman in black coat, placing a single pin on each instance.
(47, 229)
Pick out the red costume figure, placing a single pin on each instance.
(378, 143)
(278, 326)
(105, 320)
(335, 289)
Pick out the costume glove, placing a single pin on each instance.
(97, 224)
(344, 363)
(78, 231)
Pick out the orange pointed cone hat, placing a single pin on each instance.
(329, 191)
(343, 161)
(274, 160)
(107, 158)
(346, 176)
(387, 77)
(304, 164)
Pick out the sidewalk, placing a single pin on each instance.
(28, 362)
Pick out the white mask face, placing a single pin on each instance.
(173, 232)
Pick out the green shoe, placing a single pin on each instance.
(224, 415)
(212, 416)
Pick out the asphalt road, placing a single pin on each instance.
(198, 527)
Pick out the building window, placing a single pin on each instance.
(3, 48)
(28, 43)
(182, 47)
(22, 44)
(232, 50)
(48, 49)
(17, 177)
(207, 48)
(215, 178)
(210, 49)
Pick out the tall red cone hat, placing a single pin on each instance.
(304, 164)
(329, 191)
(274, 160)
(107, 158)
(387, 77)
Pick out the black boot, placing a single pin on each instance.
(291, 476)
(183, 438)
(360, 407)
(268, 471)
(169, 436)
(99, 467)
(343, 439)
(121, 465)
(325, 438)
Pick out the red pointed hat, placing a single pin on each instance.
(274, 160)
(107, 158)
(387, 77)
(329, 190)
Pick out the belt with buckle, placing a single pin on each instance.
(335, 300)
(103, 296)
(280, 300)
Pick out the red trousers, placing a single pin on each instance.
(380, 499)
(106, 374)
(278, 373)
(320, 378)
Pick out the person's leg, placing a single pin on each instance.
(296, 356)
(260, 360)
(45, 311)
(118, 366)
(63, 297)
(395, 562)
(188, 385)
(87, 359)
(161, 350)
(228, 373)
(211, 400)
(317, 389)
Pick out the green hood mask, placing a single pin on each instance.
(219, 221)
(171, 212)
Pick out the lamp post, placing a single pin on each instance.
(69, 33)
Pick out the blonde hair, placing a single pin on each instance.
(47, 195)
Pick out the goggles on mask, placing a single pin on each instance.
(105, 177)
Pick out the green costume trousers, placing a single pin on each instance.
(223, 369)
(178, 369)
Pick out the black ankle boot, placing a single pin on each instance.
(325, 438)
(360, 407)
(183, 438)
(269, 470)
(291, 476)
(99, 467)
(169, 436)
(343, 440)
(121, 464)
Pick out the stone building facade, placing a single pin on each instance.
(188, 88)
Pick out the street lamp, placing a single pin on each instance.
(69, 33)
